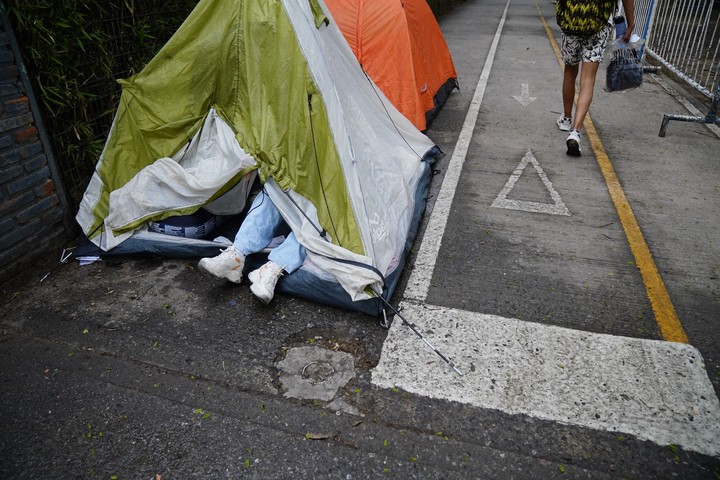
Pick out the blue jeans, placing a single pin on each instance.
(257, 231)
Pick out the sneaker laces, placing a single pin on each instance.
(229, 252)
(273, 269)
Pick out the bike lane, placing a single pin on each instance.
(525, 277)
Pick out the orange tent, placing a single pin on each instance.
(401, 48)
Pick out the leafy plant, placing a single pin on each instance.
(74, 52)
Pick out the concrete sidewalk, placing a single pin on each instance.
(144, 367)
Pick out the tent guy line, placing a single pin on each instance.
(413, 327)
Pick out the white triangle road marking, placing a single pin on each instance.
(557, 208)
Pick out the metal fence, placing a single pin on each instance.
(684, 37)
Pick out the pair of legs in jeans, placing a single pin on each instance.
(255, 234)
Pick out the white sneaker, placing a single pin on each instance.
(564, 123)
(264, 280)
(228, 265)
(573, 143)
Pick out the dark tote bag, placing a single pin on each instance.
(625, 70)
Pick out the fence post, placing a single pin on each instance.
(647, 27)
(711, 117)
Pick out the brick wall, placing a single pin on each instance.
(33, 216)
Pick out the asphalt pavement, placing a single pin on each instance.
(578, 297)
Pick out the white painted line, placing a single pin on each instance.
(558, 208)
(655, 390)
(419, 281)
(524, 98)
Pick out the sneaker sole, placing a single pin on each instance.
(261, 293)
(233, 276)
(573, 148)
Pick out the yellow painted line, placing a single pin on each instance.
(665, 314)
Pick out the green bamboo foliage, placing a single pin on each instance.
(74, 51)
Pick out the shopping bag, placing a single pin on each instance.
(625, 70)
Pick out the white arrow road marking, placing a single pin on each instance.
(655, 390)
(558, 208)
(524, 98)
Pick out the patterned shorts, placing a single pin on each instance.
(577, 49)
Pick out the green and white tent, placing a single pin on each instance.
(267, 88)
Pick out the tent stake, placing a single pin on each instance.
(64, 257)
(412, 327)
